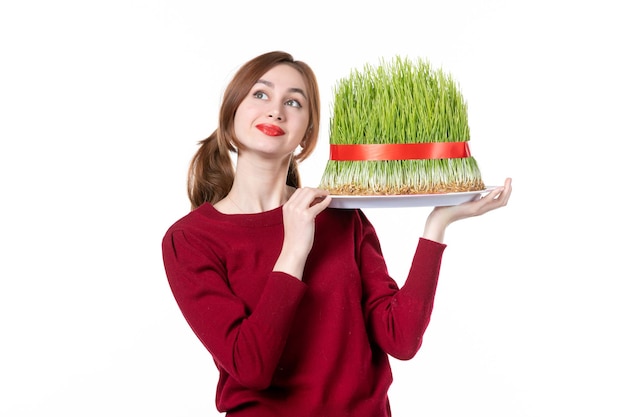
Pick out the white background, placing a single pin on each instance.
(102, 104)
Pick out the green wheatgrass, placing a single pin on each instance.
(399, 101)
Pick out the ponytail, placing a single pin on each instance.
(293, 176)
(211, 173)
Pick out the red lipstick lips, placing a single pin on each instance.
(270, 130)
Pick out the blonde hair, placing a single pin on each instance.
(211, 172)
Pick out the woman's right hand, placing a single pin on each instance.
(299, 214)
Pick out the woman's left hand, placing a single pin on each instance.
(442, 217)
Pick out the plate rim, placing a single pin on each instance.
(402, 200)
(391, 196)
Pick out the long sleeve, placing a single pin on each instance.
(246, 343)
(398, 317)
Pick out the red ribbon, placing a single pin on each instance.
(399, 151)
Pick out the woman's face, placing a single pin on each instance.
(273, 118)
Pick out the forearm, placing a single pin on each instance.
(293, 255)
(435, 227)
(291, 261)
(399, 323)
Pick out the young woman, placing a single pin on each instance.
(291, 298)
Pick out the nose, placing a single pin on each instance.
(275, 115)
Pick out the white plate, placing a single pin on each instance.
(414, 200)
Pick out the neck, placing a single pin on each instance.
(257, 189)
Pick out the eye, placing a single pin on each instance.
(260, 95)
(293, 103)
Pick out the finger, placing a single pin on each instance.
(493, 194)
(500, 192)
(499, 200)
(312, 195)
(320, 203)
(307, 198)
(505, 193)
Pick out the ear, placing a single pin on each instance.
(305, 138)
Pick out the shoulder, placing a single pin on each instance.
(338, 220)
(201, 224)
(208, 224)
(193, 238)
(192, 219)
(343, 215)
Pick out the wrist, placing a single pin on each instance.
(290, 264)
(435, 227)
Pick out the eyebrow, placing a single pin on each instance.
(291, 90)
